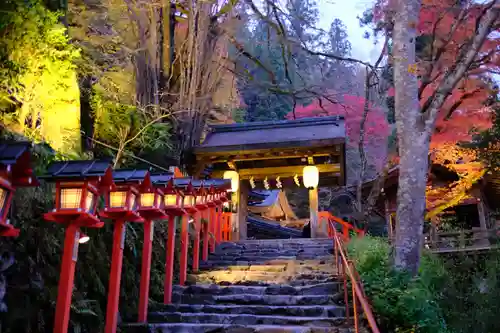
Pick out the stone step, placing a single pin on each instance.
(267, 266)
(220, 328)
(243, 319)
(284, 241)
(256, 299)
(234, 275)
(331, 311)
(275, 245)
(272, 289)
(271, 249)
(265, 257)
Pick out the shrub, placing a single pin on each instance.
(401, 303)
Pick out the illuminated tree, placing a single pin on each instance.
(39, 95)
(441, 53)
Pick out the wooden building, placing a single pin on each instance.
(474, 226)
(275, 155)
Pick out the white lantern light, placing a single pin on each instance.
(310, 176)
(235, 179)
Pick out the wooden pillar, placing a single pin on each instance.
(481, 209)
(243, 210)
(313, 212)
(239, 216)
(388, 218)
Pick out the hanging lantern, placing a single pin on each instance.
(266, 184)
(235, 179)
(296, 180)
(278, 182)
(252, 182)
(310, 176)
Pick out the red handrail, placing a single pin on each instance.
(348, 270)
(327, 217)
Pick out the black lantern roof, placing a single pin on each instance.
(10, 152)
(161, 179)
(77, 169)
(218, 183)
(182, 182)
(129, 175)
(15, 159)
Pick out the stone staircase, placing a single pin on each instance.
(268, 286)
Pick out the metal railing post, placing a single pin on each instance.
(354, 304)
(349, 270)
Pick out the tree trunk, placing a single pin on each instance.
(412, 137)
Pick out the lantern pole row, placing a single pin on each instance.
(131, 196)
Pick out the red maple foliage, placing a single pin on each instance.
(351, 107)
(446, 29)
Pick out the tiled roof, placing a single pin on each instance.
(77, 169)
(10, 152)
(286, 133)
(129, 175)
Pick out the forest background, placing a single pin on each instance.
(139, 81)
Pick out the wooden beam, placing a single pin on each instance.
(283, 172)
(214, 159)
(246, 148)
(249, 154)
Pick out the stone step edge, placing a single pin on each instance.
(236, 315)
(206, 308)
(230, 297)
(256, 328)
(237, 286)
(235, 306)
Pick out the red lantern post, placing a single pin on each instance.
(212, 204)
(78, 186)
(151, 206)
(218, 188)
(173, 203)
(201, 206)
(15, 171)
(121, 204)
(184, 185)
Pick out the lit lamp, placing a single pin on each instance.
(310, 176)
(122, 198)
(78, 185)
(122, 202)
(185, 186)
(235, 179)
(173, 199)
(83, 238)
(15, 171)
